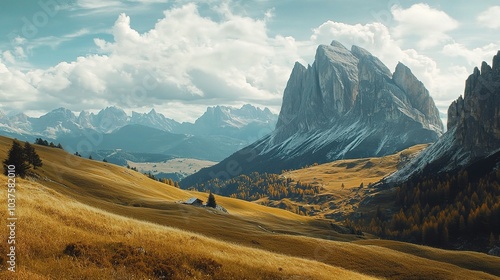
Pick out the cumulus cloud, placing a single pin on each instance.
(428, 25)
(185, 58)
(490, 18)
(15, 88)
(473, 56)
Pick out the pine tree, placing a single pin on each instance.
(90, 156)
(32, 156)
(211, 200)
(17, 158)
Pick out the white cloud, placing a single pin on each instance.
(15, 89)
(22, 48)
(473, 56)
(490, 18)
(98, 4)
(184, 58)
(428, 25)
(7, 56)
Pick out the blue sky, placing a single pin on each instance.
(181, 56)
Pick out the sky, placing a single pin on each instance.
(179, 57)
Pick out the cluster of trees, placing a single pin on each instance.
(23, 158)
(153, 177)
(439, 209)
(257, 185)
(169, 182)
(43, 142)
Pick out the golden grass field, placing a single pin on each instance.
(351, 172)
(335, 201)
(84, 219)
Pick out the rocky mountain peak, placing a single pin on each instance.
(359, 52)
(60, 114)
(417, 94)
(329, 91)
(345, 105)
(476, 116)
(473, 127)
(496, 62)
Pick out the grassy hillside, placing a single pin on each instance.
(89, 219)
(70, 240)
(340, 184)
(352, 172)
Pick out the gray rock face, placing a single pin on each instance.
(476, 116)
(343, 88)
(347, 104)
(418, 95)
(473, 127)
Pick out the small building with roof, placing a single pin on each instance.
(194, 201)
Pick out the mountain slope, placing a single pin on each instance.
(62, 203)
(247, 123)
(346, 105)
(71, 240)
(473, 127)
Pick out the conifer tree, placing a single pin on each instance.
(211, 200)
(32, 156)
(17, 158)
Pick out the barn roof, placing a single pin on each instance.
(193, 200)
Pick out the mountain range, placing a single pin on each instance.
(347, 104)
(219, 132)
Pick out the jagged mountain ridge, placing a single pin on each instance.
(347, 104)
(219, 120)
(214, 136)
(473, 128)
(247, 123)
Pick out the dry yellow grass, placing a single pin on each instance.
(333, 201)
(351, 172)
(469, 260)
(113, 247)
(114, 211)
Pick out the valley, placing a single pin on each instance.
(177, 168)
(84, 211)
